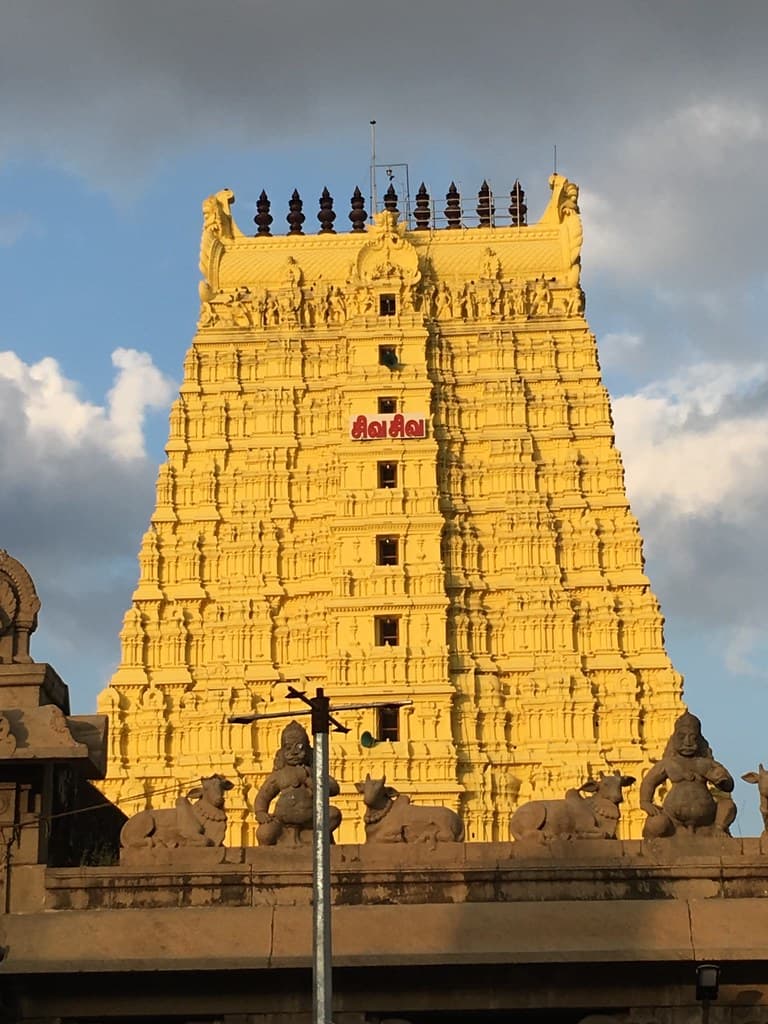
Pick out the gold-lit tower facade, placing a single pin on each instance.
(391, 472)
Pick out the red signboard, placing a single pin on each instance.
(391, 425)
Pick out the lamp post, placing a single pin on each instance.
(707, 987)
(319, 707)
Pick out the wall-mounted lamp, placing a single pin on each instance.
(707, 981)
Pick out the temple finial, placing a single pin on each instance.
(422, 213)
(263, 217)
(326, 215)
(295, 217)
(390, 199)
(357, 214)
(517, 207)
(485, 208)
(453, 206)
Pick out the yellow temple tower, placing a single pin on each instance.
(391, 472)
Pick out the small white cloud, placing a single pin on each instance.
(745, 647)
(616, 346)
(694, 443)
(57, 418)
(719, 121)
(139, 386)
(77, 492)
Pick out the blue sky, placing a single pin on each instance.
(117, 120)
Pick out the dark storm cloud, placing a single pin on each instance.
(658, 110)
(103, 83)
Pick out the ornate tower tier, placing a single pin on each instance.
(391, 472)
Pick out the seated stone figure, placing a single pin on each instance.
(689, 806)
(290, 821)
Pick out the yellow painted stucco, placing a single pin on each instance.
(529, 639)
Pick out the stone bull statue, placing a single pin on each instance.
(202, 823)
(392, 818)
(576, 817)
(760, 779)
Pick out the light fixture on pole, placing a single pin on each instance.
(319, 707)
(707, 982)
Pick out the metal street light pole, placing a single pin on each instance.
(321, 864)
(322, 720)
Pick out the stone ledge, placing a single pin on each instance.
(215, 938)
(480, 873)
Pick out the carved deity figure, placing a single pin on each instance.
(517, 304)
(290, 821)
(260, 309)
(293, 274)
(443, 302)
(7, 739)
(288, 308)
(689, 806)
(365, 302)
(337, 309)
(760, 779)
(541, 299)
(490, 266)
(241, 306)
(292, 299)
(469, 301)
(575, 302)
(272, 312)
(310, 309)
(208, 315)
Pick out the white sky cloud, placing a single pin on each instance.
(682, 450)
(56, 418)
(76, 495)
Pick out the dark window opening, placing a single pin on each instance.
(387, 474)
(388, 356)
(388, 724)
(387, 305)
(387, 631)
(387, 405)
(386, 551)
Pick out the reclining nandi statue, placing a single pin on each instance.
(390, 817)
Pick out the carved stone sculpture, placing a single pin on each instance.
(202, 823)
(7, 739)
(689, 806)
(217, 214)
(392, 818)
(19, 605)
(290, 821)
(595, 816)
(517, 304)
(760, 779)
(443, 302)
(541, 298)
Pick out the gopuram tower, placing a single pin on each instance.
(391, 472)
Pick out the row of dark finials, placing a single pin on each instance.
(422, 213)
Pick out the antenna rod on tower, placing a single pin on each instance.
(554, 158)
(373, 167)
